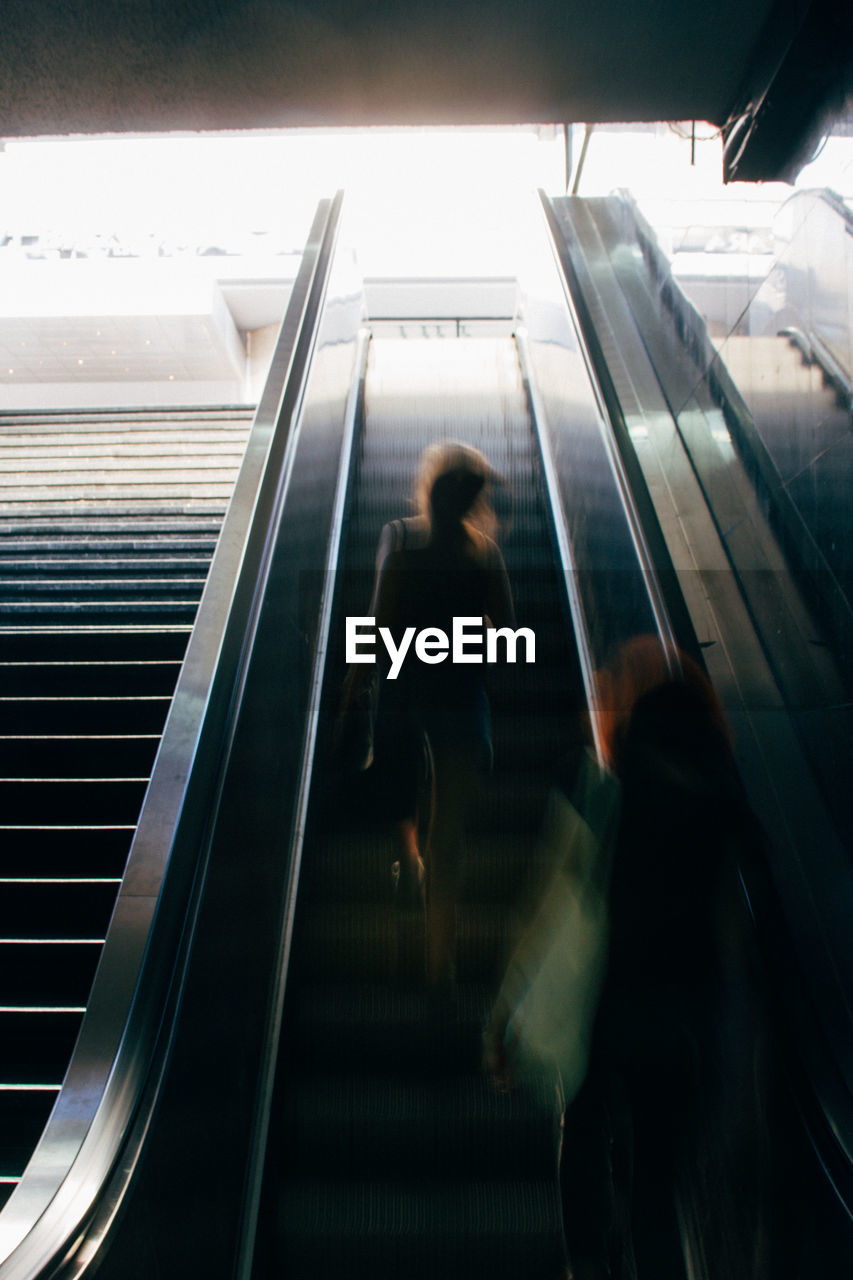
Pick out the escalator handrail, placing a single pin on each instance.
(564, 545)
(95, 1131)
(343, 491)
(652, 556)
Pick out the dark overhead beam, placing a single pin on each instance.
(112, 66)
(768, 70)
(793, 90)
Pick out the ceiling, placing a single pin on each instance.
(767, 71)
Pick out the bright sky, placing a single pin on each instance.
(410, 192)
(421, 201)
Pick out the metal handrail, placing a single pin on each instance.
(637, 524)
(814, 350)
(564, 544)
(95, 1132)
(640, 528)
(267, 1085)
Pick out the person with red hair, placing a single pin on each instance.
(624, 979)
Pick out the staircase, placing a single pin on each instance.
(805, 425)
(108, 522)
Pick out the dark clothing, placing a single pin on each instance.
(683, 816)
(425, 584)
(655, 1062)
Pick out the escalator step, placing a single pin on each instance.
(349, 868)
(384, 1026)
(372, 942)
(522, 740)
(420, 1231)
(510, 803)
(404, 1126)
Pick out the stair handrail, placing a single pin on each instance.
(814, 350)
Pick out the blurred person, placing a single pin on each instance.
(443, 563)
(546, 1004)
(674, 943)
(678, 964)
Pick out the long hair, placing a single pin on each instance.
(452, 489)
(639, 667)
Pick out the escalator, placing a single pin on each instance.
(390, 1153)
(303, 1106)
(740, 551)
(387, 1153)
(214, 795)
(297, 941)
